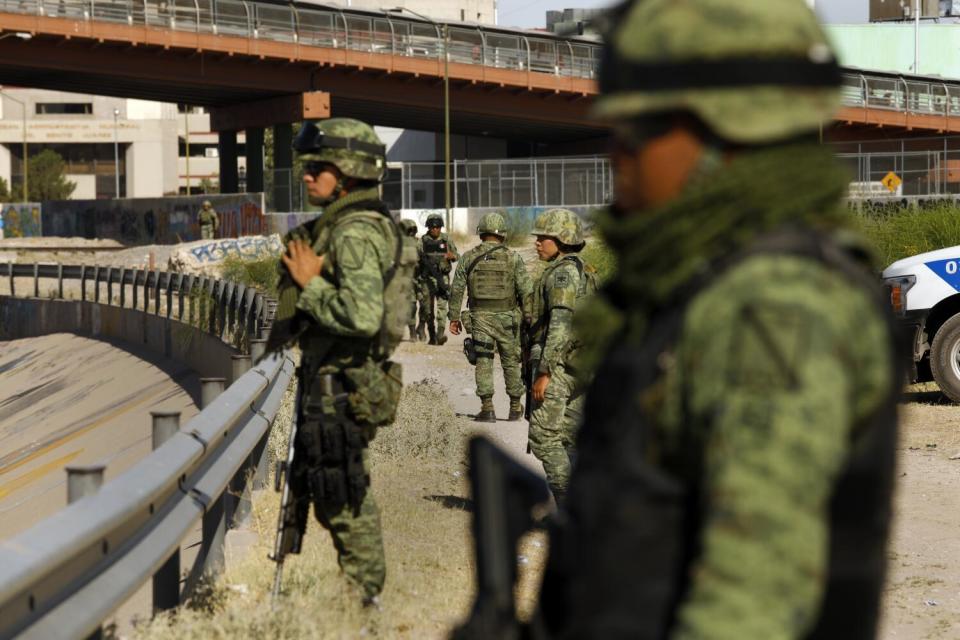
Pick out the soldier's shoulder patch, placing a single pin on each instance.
(561, 279)
(352, 252)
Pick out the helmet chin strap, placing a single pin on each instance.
(334, 195)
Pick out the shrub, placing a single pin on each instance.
(899, 233)
(260, 273)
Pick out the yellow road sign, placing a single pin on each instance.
(892, 182)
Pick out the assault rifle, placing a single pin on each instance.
(526, 372)
(504, 496)
(437, 280)
(294, 507)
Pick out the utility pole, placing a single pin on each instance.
(116, 155)
(916, 37)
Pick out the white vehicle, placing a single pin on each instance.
(925, 295)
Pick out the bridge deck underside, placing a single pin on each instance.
(215, 70)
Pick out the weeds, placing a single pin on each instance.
(260, 274)
(899, 233)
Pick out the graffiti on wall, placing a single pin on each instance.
(254, 247)
(20, 220)
(138, 221)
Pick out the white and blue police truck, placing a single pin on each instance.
(925, 295)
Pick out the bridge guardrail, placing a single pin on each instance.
(65, 575)
(386, 32)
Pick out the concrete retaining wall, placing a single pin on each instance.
(31, 317)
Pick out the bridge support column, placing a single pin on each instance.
(254, 159)
(229, 175)
(283, 178)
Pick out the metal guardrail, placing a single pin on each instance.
(220, 306)
(65, 575)
(374, 32)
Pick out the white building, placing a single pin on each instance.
(99, 137)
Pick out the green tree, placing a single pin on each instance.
(5, 195)
(47, 179)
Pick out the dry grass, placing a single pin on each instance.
(420, 482)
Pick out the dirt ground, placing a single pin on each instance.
(419, 479)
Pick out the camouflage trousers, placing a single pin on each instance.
(206, 232)
(554, 424)
(358, 541)
(433, 309)
(496, 332)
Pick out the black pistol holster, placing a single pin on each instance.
(332, 445)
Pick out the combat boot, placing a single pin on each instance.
(487, 413)
(433, 333)
(413, 333)
(516, 410)
(421, 333)
(441, 336)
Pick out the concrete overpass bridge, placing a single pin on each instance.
(260, 63)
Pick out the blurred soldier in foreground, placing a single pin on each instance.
(497, 283)
(736, 458)
(437, 253)
(735, 463)
(556, 392)
(409, 227)
(345, 291)
(209, 221)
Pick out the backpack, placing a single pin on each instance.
(397, 281)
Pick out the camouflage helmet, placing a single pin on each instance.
(207, 204)
(351, 146)
(560, 224)
(493, 224)
(408, 226)
(754, 71)
(434, 220)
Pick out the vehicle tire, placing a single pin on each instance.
(945, 358)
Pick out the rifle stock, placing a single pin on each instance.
(504, 495)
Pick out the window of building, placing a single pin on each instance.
(64, 108)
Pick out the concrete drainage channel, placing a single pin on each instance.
(64, 576)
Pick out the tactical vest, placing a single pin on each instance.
(435, 250)
(397, 267)
(588, 285)
(622, 565)
(490, 281)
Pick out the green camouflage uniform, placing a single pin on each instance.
(764, 375)
(209, 222)
(554, 422)
(493, 324)
(434, 307)
(342, 311)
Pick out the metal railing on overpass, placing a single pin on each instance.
(904, 94)
(64, 576)
(375, 32)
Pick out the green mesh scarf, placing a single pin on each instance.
(287, 324)
(719, 215)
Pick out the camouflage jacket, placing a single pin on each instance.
(552, 302)
(521, 279)
(209, 218)
(776, 363)
(345, 302)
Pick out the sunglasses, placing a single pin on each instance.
(314, 168)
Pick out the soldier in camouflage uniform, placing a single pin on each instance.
(209, 221)
(409, 227)
(437, 254)
(735, 462)
(332, 298)
(557, 392)
(497, 283)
